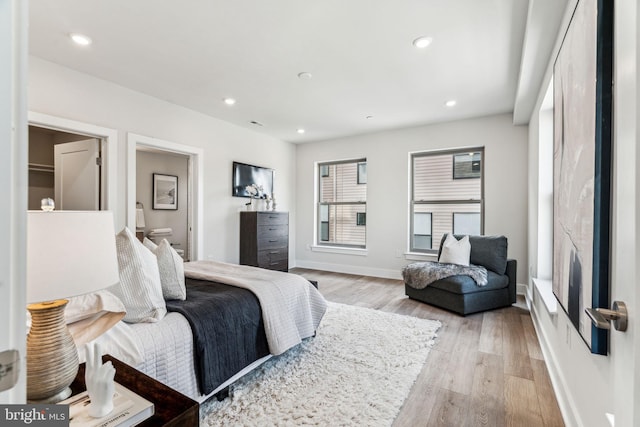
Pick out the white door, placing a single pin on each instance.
(77, 175)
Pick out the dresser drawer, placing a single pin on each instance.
(281, 265)
(268, 256)
(266, 218)
(270, 242)
(268, 231)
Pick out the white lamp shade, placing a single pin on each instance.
(69, 253)
(140, 218)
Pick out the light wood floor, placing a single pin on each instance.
(486, 369)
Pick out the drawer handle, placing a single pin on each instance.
(273, 241)
(274, 263)
(274, 252)
(272, 229)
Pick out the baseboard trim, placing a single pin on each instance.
(350, 269)
(558, 382)
(521, 289)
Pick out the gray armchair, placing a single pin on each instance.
(461, 294)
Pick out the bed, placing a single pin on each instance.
(222, 321)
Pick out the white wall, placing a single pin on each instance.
(589, 386)
(62, 92)
(387, 155)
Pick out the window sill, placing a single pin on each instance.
(545, 289)
(419, 256)
(338, 250)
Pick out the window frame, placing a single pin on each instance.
(413, 203)
(320, 204)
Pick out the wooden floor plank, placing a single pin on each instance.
(521, 403)
(481, 366)
(487, 408)
(549, 408)
(491, 333)
(423, 395)
(515, 351)
(533, 345)
(450, 409)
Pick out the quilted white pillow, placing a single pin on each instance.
(139, 288)
(456, 251)
(171, 268)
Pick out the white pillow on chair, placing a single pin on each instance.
(456, 251)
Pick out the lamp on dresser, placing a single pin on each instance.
(69, 253)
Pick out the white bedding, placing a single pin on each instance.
(167, 351)
(291, 307)
(166, 346)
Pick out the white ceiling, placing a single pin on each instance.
(196, 52)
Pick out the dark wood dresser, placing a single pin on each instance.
(264, 239)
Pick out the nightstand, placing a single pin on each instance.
(171, 407)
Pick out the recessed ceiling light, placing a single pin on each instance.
(305, 75)
(229, 101)
(422, 42)
(450, 103)
(300, 130)
(80, 39)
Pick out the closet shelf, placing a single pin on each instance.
(37, 167)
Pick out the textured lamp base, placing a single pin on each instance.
(52, 358)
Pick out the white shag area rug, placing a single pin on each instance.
(357, 370)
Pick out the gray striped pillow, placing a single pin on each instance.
(139, 289)
(171, 268)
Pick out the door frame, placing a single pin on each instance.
(195, 185)
(14, 26)
(108, 148)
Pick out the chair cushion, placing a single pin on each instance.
(487, 251)
(466, 285)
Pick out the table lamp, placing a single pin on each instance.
(69, 253)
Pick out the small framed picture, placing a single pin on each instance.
(165, 191)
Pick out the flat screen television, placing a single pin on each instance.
(244, 175)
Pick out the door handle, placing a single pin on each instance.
(600, 317)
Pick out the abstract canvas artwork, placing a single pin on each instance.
(582, 167)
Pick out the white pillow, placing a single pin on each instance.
(139, 288)
(456, 251)
(120, 342)
(149, 244)
(91, 315)
(171, 268)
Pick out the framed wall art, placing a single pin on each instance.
(165, 191)
(582, 91)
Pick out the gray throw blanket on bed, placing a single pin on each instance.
(291, 307)
(420, 274)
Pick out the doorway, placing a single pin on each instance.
(194, 158)
(108, 147)
(65, 167)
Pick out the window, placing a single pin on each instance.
(362, 173)
(466, 165)
(342, 203)
(422, 230)
(446, 196)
